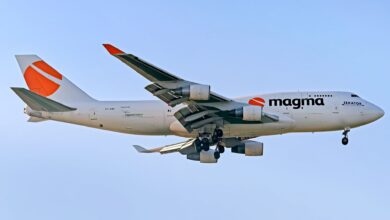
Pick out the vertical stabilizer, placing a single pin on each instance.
(44, 80)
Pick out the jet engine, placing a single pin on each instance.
(249, 148)
(203, 156)
(195, 92)
(248, 113)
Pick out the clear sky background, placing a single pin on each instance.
(53, 170)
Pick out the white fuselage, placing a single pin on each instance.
(296, 110)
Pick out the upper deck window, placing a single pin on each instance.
(354, 95)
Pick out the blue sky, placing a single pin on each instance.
(59, 171)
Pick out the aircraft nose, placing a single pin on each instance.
(377, 112)
(380, 113)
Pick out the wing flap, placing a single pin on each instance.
(199, 115)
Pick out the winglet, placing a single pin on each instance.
(113, 50)
(143, 150)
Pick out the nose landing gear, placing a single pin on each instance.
(344, 141)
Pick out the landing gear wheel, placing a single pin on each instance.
(205, 143)
(220, 149)
(344, 141)
(198, 145)
(217, 155)
(219, 133)
(217, 136)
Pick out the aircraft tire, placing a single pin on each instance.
(221, 149)
(217, 155)
(344, 141)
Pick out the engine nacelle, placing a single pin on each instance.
(249, 148)
(195, 92)
(203, 156)
(249, 113)
(199, 92)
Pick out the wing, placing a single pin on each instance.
(201, 106)
(182, 147)
(163, 83)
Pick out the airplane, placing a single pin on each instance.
(191, 110)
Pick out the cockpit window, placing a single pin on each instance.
(354, 95)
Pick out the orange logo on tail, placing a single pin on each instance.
(257, 101)
(40, 84)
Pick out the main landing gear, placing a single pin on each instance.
(344, 141)
(203, 143)
(219, 149)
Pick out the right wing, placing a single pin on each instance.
(196, 112)
(164, 83)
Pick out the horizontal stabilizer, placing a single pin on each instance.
(39, 103)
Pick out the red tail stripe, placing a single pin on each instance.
(42, 65)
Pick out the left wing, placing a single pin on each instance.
(202, 106)
(182, 147)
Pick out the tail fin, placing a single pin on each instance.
(48, 82)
